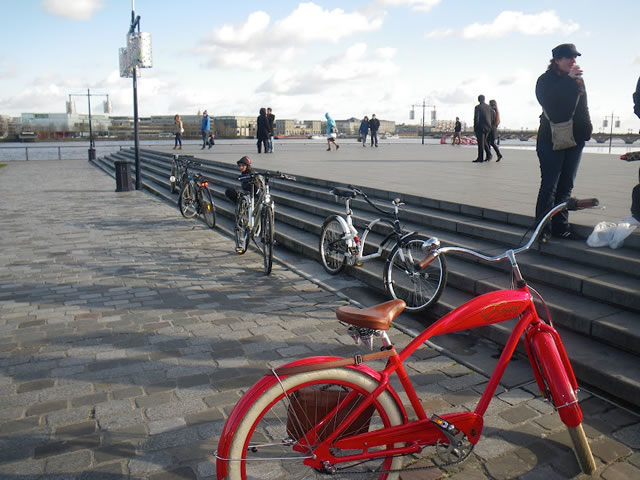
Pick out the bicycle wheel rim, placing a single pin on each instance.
(419, 288)
(188, 202)
(268, 422)
(267, 239)
(208, 208)
(241, 227)
(332, 246)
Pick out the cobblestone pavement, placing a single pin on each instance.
(127, 334)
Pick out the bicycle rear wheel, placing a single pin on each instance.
(405, 280)
(208, 208)
(188, 202)
(333, 247)
(241, 230)
(262, 444)
(267, 234)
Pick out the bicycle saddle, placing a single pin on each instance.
(344, 192)
(378, 317)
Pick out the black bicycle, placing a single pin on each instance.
(255, 216)
(195, 197)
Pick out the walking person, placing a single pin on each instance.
(332, 132)
(374, 125)
(272, 122)
(263, 131)
(364, 130)
(493, 134)
(457, 129)
(205, 128)
(563, 97)
(179, 129)
(482, 127)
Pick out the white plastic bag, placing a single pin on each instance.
(602, 234)
(612, 234)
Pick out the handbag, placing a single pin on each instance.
(562, 132)
(308, 406)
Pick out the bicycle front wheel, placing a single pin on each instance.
(263, 443)
(405, 280)
(267, 237)
(208, 208)
(174, 175)
(333, 247)
(187, 202)
(241, 230)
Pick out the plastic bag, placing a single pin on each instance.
(602, 234)
(612, 234)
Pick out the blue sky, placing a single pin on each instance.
(306, 58)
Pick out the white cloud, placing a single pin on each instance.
(344, 72)
(256, 24)
(310, 22)
(506, 22)
(418, 5)
(440, 33)
(74, 10)
(258, 42)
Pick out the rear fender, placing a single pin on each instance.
(266, 382)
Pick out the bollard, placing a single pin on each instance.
(92, 154)
(123, 177)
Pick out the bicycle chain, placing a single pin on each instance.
(400, 470)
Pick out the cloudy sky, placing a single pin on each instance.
(305, 58)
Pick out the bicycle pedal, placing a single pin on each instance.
(239, 251)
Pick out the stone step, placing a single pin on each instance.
(593, 302)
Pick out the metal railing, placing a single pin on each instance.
(60, 152)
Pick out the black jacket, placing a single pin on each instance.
(374, 124)
(557, 94)
(482, 118)
(263, 127)
(272, 119)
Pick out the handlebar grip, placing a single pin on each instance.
(577, 204)
(426, 261)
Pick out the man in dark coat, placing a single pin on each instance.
(374, 125)
(635, 194)
(263, 131)
(482, 127)
(272, 122)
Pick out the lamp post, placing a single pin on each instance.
(107, 107)
(137, 54)
(424, 105)
(604, 125)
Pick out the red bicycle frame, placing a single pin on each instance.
(551, 366)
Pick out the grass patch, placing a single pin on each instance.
(3, 165)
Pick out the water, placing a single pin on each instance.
(78, 150)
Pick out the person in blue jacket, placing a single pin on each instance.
(364, 130)
(205, 128)
(332, 132)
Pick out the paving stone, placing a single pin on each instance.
(149, 463)
(609, 450)
(70, 462)
(160, 426)
(506, 467)
(35, 385)
(46, 407)
(22, 425)
(181, 473)
(518, 414)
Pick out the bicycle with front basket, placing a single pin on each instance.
(195, 197)
(322, 416)
(341, 245)
(255, 216)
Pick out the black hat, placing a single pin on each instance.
(565, 50)
(244, 161)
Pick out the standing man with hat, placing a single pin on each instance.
(205, 128)
(563, 98)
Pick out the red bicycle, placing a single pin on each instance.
(322, 416)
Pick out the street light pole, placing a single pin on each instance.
(135, 21)
(424, 106)
(92, 144)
